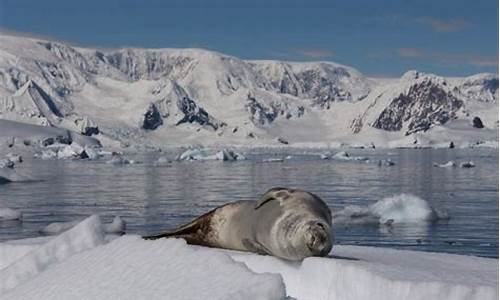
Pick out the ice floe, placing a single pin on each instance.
(82, 264)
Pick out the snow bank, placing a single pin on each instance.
(85, 235)
(403, 208)
(131, 268)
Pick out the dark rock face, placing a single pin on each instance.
(425, 104)
(259, 113)
(262, 113)
(86, 126)
(324, 90)
(196, 114)
(152, 118)
(477, 123)
(282, 140)
(89, 131)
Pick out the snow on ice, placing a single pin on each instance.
(83, 263)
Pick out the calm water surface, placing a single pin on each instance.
(152, 198)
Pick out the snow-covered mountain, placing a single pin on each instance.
(185, 96)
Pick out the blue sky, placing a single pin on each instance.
(380, 38)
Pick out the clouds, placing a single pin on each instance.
(444, 26)
(409, 52)
(471, 59)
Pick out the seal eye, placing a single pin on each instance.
(320, 225)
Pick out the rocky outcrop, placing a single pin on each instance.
(196, 114)
(152, 118)
(425, 104)
(477, 123)
(86, 126)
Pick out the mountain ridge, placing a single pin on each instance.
(201, 95)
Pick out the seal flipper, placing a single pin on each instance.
(277, 193)
(195, 232)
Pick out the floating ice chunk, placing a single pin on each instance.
(85, 235)
(162, 161)
(48, 154)
(115, 227)
(449, 164)
(386, 162)
(193, 154)
(403, 208)
(326, 155)
(229, 155)
(14, 157)
(89, 153)
(58, 227)
(270, 160)
(6, 163)
(204, 154)
(68, 152)
(4, 179)
(9, 214)
(289, 157)
(10, 175)
(467, 164)
(342, 155)
(120, 160)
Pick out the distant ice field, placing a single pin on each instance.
(459, 212)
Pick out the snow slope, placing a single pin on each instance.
(186, 96)
(84, 264)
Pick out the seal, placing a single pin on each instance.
(287, 223)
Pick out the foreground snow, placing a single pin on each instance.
(81, 263)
